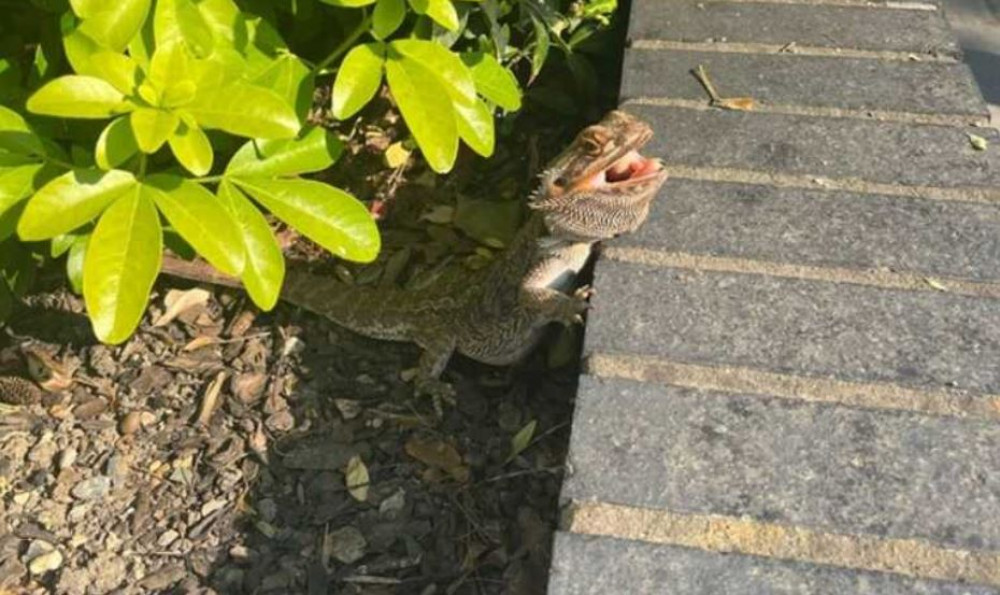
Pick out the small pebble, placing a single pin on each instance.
(131, 423)
(347, 545)
(67, 457)
(95, 488)
(45, 562)
(169, 536)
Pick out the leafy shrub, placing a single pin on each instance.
(117, 117)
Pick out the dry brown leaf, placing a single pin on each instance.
(199, 342)
(178, 302)
(211, 398)
(357, 479)
(741, 104)
(46, 371)
(438, 454)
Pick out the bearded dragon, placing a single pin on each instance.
(596, 189)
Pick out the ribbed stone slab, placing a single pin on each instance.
(824, 228)
(850, 332)
(837, 469)
(586, 565)
(886, 152)
(807, 81)
(854, 27)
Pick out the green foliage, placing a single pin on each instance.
(119, 122)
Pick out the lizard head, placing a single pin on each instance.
(600, 186)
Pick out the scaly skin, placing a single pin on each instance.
(597, 189)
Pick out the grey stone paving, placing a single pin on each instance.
(771, 460)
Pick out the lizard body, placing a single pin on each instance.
(596, 189)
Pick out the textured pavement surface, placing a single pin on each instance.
(793, 370)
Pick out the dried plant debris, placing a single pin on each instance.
(281, 454)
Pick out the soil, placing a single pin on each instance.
(233, 451)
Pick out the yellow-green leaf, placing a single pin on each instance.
(313, 151)
(442, 11)
(116, 144)
(170, 63)
(75, 96)
(475, 125)
(113, 23)
(74, 262)
(244, 110)
(201, 219)
(328, 216)
(16, 135)
(348, 3)
(522, 439)
(387, 17)
(183, 20)
(70, 200)
(358, 79)
(356, 478)
(427, 109)
(191, 147)
(121, 263)
(16, 184)
(120, 71)
(493, 81)
(290, 78)
(152, 127)
(264, 269)
(439, 61)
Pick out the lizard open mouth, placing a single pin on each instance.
(628, 169)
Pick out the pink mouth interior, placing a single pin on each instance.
(631, 166)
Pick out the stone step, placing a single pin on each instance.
(827, 467)
(885, 152)
(807, 81)
(824, 228)
(920, 339)
(585, 565)
(858, 27)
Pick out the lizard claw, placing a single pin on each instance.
(439, 391)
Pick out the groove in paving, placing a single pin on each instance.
(910, 557)
(873, 4)
(871, 277)
(787, 49)
(824, 228)
(949, 403)
(823, 112)
(874, 27)
(814, 182)
(658, 568)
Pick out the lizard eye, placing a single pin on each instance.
(559, 182)
(593, 141)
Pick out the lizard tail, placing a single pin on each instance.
(367, 310)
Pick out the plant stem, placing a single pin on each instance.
(208, 179)
(143, 158)
(344, 45)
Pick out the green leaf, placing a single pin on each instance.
(74, 262)
(316, 150)
(541, 50)
(522, 439)
(328, 216)
(117, 69)
(121, 264)
(183, 21)
(192, 148)
(493, 81)
(440, 62)
(200, 218)
(290, 78)
(428, 110)
(16, 136)
(70, 200)
(16, 184)
(358, 79)
(264, 270)
(152, 127)
(441, 11)
(244, 110)
(75, 96)
(116, 144)
(114, 23)
(387, 17)
(348, 3)
(78, 46)
(475, 126)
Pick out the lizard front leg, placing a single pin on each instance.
(556, 306)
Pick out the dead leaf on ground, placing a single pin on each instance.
(46, 371)
(978, 143)
(178, 302)
(741, 104)
(438, 454)
(211, 398)
(357, 478)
